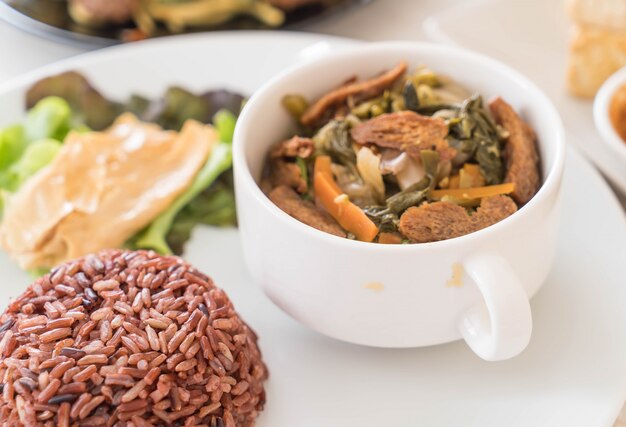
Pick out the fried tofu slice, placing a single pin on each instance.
(293, 147)
(281, 168)
(282, 172)
(371, 88)
(432, 222)
(304, 211)
(520, 152)
(405, 131)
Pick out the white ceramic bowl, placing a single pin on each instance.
(601, 117)
(401, 295)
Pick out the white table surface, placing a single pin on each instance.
(381, 20)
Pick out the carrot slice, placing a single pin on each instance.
(346, 213)
(470, 176)
(473, 193)
(323, 167)
(455, 181)
(390, 238)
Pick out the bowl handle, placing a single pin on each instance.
(500, 326)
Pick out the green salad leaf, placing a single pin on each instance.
(36, 156)
(49, 118)
(154, 237)
(214, 206)
(68, 101)
(88, 105)
(225, 122)
(26, 148)
(200, 203)
(12, 145)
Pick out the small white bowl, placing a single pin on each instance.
(601, 117)
(476, 287)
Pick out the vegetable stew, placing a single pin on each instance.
(407, 156)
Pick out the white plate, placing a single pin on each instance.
(532, 36)
(572, 374)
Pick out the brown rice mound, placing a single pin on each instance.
(128, 339)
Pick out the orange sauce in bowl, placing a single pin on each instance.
(617, 111)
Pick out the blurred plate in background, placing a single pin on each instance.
(51, 19)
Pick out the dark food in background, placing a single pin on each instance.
(54, 18)
(128, 336)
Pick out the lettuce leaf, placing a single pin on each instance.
(36, 156)
(69, 101)
(49, 118)
(26, 148)
(87, 104)
(154, 237)
(12, 145)
(215, 206)
(206, 201)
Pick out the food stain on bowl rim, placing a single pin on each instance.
(456, 280)
(374, 286)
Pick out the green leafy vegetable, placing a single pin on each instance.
(138, 105)
(12, 145)
(68, 101)
(180, 105)
(334, 140)
(24, 149)
(36, 156)
(411, 196)
(154, 237)
(49, 118)
(475, 134)
(214, 206)
(304, 171)
(386, 217)
(411, 101)
(225, 122)
(88, 105)
(430, 161)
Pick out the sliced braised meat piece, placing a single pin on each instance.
(283, 172)
(296, 146)
(405, 131)
(304, 210)
(372, 87)
(520, 152)
(432, 222)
